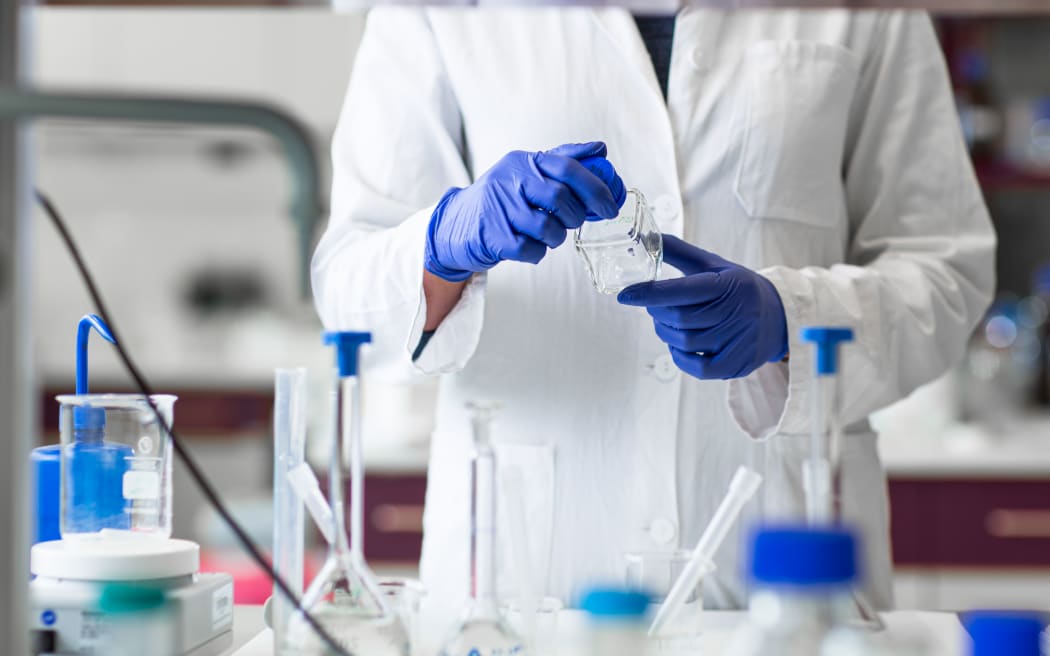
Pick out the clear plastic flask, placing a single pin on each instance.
(622, 251)
(115, 465)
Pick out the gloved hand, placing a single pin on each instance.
(520, 207)
(720, 320)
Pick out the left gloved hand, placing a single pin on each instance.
(720, 320)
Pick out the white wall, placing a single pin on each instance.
(149, 205)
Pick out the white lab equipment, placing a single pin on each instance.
(344, 597)
(115, 521)
(822, 473)
(138, 622)
(802, 580)
(116, 465)
(685, 584)
(624, 250)
(482, 630)
(616, 621)
(289, 445)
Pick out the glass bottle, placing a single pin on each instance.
(344, 597)
(482, 630)
(802, 581)
(616, 621)
(622, 251)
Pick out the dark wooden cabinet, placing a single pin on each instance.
(970, 523)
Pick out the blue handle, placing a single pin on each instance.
(827, 340)
(87, 322)
(346, 348)
(88, 423)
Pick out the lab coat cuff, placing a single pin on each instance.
(456, 337)
(774, 399)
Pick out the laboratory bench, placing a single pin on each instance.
(941, 632)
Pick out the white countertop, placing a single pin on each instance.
(941, 631)
(1021, 450)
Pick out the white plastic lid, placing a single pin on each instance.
(116, 559)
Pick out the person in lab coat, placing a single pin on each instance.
(817, 152)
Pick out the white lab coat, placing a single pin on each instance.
(820, 148)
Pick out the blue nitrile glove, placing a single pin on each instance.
(520, 207)
(720, 320)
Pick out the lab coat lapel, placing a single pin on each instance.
(639, 84)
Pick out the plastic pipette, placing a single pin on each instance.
(822, 473)
(308, 489)
(743, 486)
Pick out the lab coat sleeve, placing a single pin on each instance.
(397, 148)
(919, 271)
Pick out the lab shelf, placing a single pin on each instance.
(1001, 176)
(970, 522)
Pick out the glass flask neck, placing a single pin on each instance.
(346, 452)
(483, 525)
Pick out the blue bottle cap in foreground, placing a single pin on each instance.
(1017, 633)
(803, 556)
(615, 604)
(827, 340)
(346, 347)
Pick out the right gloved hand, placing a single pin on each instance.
(520, 207)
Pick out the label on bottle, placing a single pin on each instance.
(222, 607)
(141, 485)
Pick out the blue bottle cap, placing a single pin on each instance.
(827, 340)
(1017, 633)
(615, 604)
(346, 348)
(803, 556)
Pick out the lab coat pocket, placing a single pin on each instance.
(796, 101)
(525, 523)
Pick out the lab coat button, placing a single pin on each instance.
(697, 60)
(663, 531)
(664, 368)
(665, 208)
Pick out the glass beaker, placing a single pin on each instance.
(116, 465)
(542, 635)
(622, 251)
(655, 573)
(405, 596)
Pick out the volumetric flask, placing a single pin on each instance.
(482, 630)
(344, 597)
(622, 251)
(116, 465)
